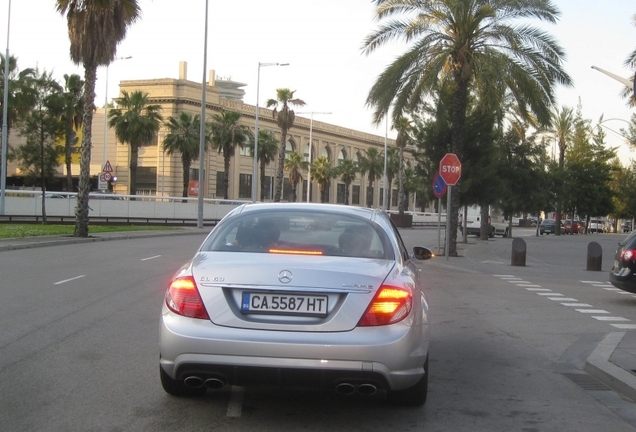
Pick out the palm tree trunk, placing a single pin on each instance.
(226, 176)
(186, 179)
(460, 101)
(263, 191)
(134, 155)
(278, 191)
(68, 156)
(346, 195)
(81, 208)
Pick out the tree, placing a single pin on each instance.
(562, 127)
(371, 163)
(72, 119)
(403, 127)
(392, 168)
(95, 28)
(22, 93)
(473, 45)
(285, 118)
(227, 134)
(267, 151)
(322, 172)
(183, 137)
(136, 123)
(41, 127)
(294, 165)
(348, 171)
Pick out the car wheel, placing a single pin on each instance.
(492, 233)
(413, 396)
(176, 388)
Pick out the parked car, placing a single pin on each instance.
(609, 227)
(299, 295)
(623, 272)
(596, 226)
(573, 227)
(548, 226)
(626, 226)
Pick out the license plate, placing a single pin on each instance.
(283, 303)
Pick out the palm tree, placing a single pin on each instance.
(392, 168)
(227, 133)
(322, 172)
(267, 151)
(563, 129)
(183, 137)
(136, 123)
(371, 163)
(22, 94)
(473, 45)
(95, 28)
(294, 165)
(403, 127)
(72, 118)
(348, 171)
(630, 62)
(285, 119)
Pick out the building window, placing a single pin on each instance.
(306, 157)
(394, 197)
(289, 148)
(245, 186)
(287, 189)
(342, 155)
(355, 195)
(326, 152)
(268, 186)
(247, 149)
(340, 193)
(382, 196)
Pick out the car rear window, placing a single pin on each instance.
(300, 233)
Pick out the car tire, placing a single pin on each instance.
(414, 396)
(176, 388)
(492, 233)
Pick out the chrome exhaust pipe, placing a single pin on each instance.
(345, 389)
(367, 389)
(193, 381)
(214, 383)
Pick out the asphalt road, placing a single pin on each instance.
(79, 345)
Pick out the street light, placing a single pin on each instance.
(255, 172)
(106, 111)
(311, 127)
(5, 132)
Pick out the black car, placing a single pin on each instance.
(623, 273)
(548, 226)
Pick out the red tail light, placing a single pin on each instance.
(183, 298)
(628, 255)
(390, 305)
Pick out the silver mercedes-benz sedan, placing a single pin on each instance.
(299, 295)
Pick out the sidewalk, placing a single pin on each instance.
(613, 362)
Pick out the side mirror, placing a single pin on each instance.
(422, 253)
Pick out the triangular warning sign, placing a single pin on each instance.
(107, 167)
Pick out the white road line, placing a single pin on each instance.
(538, 289)
(550, 294)
(591, 282)
(611, 289)
(530, 286)
(570, 299)
(625, 326)
(149, 258)
(606, 318)
(576, 304)
(235, 405)
(591, 311)
(504, 276)
(68, 280)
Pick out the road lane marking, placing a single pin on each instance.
(538, 289)
(570, 299)
(549, 294)
(68, 280)
(576, 304)
(625, 326)
(149, 258)
(610, 318)
(590, 311)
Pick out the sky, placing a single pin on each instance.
(321, 41)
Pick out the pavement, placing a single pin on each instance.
(613, 361)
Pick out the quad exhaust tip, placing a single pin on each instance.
(209, 383)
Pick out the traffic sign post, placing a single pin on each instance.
(450, 169)
(439, 189)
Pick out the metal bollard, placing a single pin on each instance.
(594, 256)
(518, 253)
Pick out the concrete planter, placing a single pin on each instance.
(402, 221)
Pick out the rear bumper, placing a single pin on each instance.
(624, 279)
(389, 357)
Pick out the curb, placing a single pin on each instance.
(599, 366)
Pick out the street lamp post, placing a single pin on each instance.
(311, 128)
(106, 111)
(5, 131)
(255, 171)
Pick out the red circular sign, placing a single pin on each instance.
(450, 169)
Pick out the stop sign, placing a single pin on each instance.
(450, 169)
